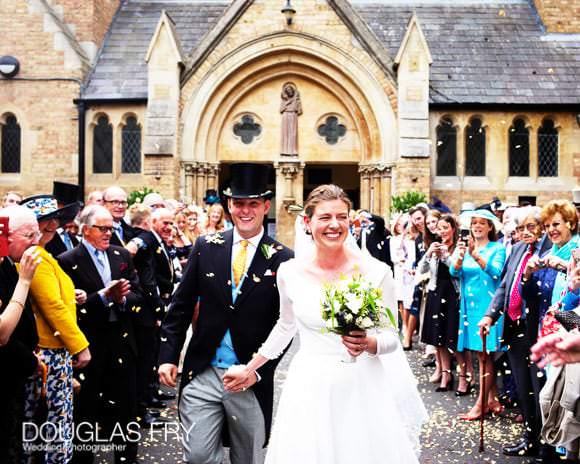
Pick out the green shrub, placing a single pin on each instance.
(136, 196)
(404, 202)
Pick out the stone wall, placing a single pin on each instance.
(44, 107)
(457, 189)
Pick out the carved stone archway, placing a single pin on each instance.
(257, 67)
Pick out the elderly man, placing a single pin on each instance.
(521, 326)
(115, 200)
(11, 198)
(108, 384)
(18, 336)
(156, 277)
(95, 198)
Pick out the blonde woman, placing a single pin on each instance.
(215, 220)
(402, 247)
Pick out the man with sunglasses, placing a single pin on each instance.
(108, 384)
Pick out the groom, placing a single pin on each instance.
(233, 276)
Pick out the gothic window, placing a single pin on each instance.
(475, 149)
(131, 147)
(446, 148)
(11, 145)
(548, 150)
(331, 130)
(247, 129)
(103, 146)
(519, 146)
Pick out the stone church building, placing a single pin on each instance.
(461, 99)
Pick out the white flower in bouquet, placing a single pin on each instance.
(354, 304)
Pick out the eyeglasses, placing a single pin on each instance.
(103, 229)
(530, 227)
(117, 202)
(35, 235)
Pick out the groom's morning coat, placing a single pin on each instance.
(250, 318)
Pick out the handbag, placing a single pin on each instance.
(569, 319)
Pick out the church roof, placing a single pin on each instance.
(485, 52)
(121, 70)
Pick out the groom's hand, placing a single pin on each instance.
(239, 378)
(168, 374)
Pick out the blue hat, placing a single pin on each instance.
(45, 207)
(481, 213)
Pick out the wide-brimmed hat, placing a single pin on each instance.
(45, 207)
(467, 206)
(466, 217)
(154, 198)
(211, 197)
(249, 180)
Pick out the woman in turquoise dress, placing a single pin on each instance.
(478, 264)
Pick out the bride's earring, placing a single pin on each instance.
(308, 231)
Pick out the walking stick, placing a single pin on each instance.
(483, 394)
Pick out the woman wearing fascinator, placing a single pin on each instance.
(325, 399)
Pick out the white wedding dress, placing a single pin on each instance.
(331, 412)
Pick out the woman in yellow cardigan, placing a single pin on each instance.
(62, 345)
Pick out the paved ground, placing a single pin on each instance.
(445, 439)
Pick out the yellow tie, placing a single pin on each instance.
(239, 264)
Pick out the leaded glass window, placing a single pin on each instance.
(519, 143)
(446, 148)
(247, 129)
(103, 146)
(475, 149)
(332, 130)
(131, 147)
(11, 145)
(548, 150)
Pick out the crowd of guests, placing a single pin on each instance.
(84, 290)
(494, 273)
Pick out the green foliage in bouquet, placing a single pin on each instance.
(354, 304)
(404, 202)
(136, 196)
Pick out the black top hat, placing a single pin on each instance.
(64, 193)
(249, 180)
(211, 197)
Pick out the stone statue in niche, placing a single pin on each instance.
(291, 108)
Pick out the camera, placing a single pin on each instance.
(464, 235)
(437, 238)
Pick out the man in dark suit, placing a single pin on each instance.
(375, 237)
(108, 384)
(115, 200)
(520, 326)
(232, 274)
(155, 271)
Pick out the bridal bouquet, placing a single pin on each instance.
(354, 304)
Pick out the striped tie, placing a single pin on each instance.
(239, 264)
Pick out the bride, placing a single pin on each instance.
(332, 412)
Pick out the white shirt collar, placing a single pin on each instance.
(254, 241)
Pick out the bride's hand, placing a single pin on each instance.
(239, 378)
(357, 342)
